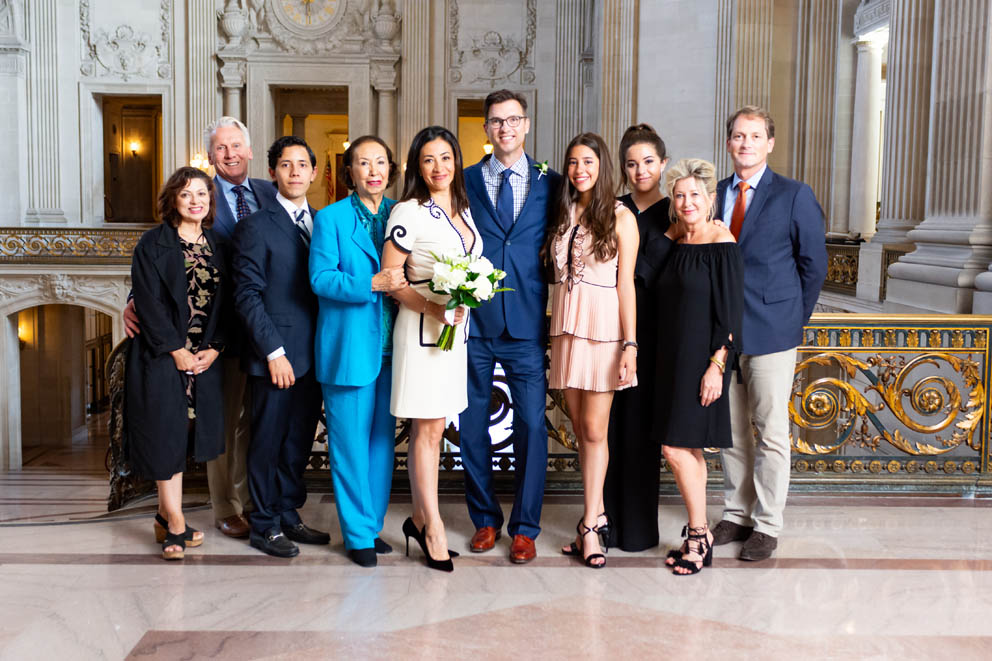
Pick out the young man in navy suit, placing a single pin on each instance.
(279, 310)
(511, 199)
(779, 227)
(236, 196)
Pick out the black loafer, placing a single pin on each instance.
(303, 534)
(381, 547)
(363, 557)
(274, 543)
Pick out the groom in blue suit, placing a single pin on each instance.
(511, 198)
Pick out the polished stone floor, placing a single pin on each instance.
(856, 577)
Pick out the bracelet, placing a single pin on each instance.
(426, 303)
(719, 363)
(629, 343)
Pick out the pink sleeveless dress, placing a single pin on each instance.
(586, 334)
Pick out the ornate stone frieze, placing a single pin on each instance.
(65, 288)
(384, 73)
(124, 52)
(11, 21)
(45, 246)
(490, 58)
(871, 15)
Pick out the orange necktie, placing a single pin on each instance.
(740, 207)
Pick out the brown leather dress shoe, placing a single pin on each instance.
(234, 526)
(728, 531)
(484, 539)
(522, 550)
(758, 546)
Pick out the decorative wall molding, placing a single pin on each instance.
(43, 121)
(12, 28)
(124, 52)
(492, 58)
(51, 246)
(870, 16)
(64, 288)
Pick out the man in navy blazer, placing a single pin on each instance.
(779, 227)
(511, 199)
(236, 196)
(279, 310)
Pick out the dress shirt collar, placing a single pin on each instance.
(752, 181)
(496, 167)
(291, 208)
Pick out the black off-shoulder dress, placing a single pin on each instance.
(701, 286)
(631, 488)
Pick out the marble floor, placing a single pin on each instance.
(861, 576)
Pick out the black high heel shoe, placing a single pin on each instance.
(161, 527)
(410, 530)
(696, 541)
(578, 549)
(604, 531)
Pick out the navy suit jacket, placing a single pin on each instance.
(520, 312)
(272, 290)
(224, 220)
(783, 247)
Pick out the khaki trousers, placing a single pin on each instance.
(756, 470)
(227, 475)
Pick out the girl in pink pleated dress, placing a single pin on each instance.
(592, 247)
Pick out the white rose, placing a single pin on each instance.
(442, 276)
(481, 287)
(456, 278)
(481, 266)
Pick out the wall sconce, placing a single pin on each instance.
(346, 144)
(199, 161)
(24, 334)
(488, 147)
(134, 146)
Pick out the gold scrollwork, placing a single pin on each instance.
(935, 339)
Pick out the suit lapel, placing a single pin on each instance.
(362, 238)
(721, 196)
(757, 203)
(478, 188)
(170, 265)
(223, 219)
(280, 217)
(538, 184)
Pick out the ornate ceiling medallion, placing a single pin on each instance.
(305, 25)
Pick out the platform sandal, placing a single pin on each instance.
(574, 549)
(173, 539)
(161, 527)
(696, 541)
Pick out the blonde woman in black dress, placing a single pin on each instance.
(701, 285)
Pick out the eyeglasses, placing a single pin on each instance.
(513, 121)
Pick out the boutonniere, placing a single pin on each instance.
(542, 169)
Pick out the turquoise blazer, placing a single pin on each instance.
(343, 259)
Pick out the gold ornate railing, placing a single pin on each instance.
(842, 268)
(67, 245)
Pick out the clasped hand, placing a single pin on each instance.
(437, 311)
(389, 279)
(194, 363)
(711, 385)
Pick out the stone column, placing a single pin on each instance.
(232, 82)
(201, 28)
(415, 72)
(568, 75)
(44, 140)
(299, 126)
(14, 110)
(619, 70)
(384, 83)
(904, 148)
(865, 146)
(954, 243)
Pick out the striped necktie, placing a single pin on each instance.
(301, 224)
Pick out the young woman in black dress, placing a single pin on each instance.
(631, 490)
(701, 286)
(172, 387)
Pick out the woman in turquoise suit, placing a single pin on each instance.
(354, 344)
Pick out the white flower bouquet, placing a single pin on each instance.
(467, 281)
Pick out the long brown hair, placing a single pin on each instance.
(599, 215)
(414, 186)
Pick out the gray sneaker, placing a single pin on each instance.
(728, 531)
(758, 546)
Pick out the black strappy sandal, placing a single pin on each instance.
(574, 549)
(172, 539)
(676, 554)
(162, 527)
(695, 537)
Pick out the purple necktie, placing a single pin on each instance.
(241, 203)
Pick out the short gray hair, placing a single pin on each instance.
(208, 133)
(701, 171)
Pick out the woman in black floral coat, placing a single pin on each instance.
(173, 390)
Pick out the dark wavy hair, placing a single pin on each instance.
(600, 214)
(635, 135)
(414, 186)
(349, 155)
(275, 151)
(167, 197)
